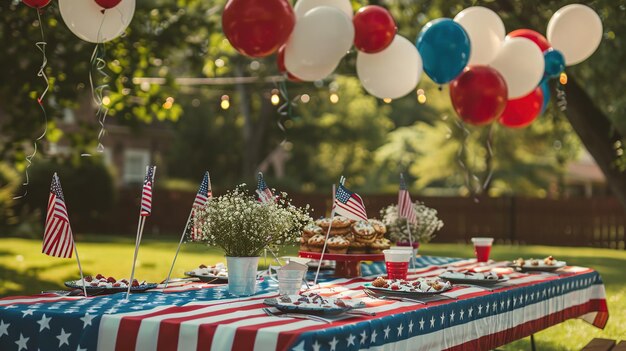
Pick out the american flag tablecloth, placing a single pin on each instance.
(205, 317)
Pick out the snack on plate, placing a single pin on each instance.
(549, 261)
(379, 227)
(534, 262)
(218, 270)
(379, 245)
(337, 245)
(310, 230)
(101, 281)
(364, 232)
(420, 285)
(519, 262)
(470, 274)
(316, 243)
(315, 301)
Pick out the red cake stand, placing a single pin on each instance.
(348, 265)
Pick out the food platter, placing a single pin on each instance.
(312, 304)
(419, 287)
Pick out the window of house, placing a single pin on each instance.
(135, 162)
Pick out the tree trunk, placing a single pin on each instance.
(597, 134)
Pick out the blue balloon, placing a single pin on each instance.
(545, 89)
(445, 49)
(555, 63)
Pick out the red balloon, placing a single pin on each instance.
(38, 4)
(479, 94)
(108, 4)
(258, 28)
(523, 111)
(537, 38)
(374, 29)
(280, 60)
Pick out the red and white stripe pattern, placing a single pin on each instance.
(405, 205)
(146, 192)
(349, 204)
(240, 324)
(57, 238)
(204, 192)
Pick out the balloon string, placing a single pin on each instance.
(41, 46)
(471, 180)
(490, 155)
(561, 97)
(98, 63)
(285, 111)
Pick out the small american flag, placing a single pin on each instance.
(265, 194)
(146, 193)
(405, 205)
(349, 204)
(204, 193)
(57, 238)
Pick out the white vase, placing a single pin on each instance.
(242, 273)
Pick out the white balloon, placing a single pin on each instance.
(86, 20)
(391, 73)
(316, 72)
(521, 63)
(576, 31)
(303, 6)
(485, 30)
(318, 42)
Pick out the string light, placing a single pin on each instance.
(563, 78)
(275, 99)
(219, 63)
(225, 104)
(106, 101)
(169, 102)
(387, 100)
(305, 98)
(334, 98)
(421, 97)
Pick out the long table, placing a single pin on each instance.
(200, 316)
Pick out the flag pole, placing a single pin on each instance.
(142, 220)
(413, 257)
(80, 268)
(180, 243)
(332, 214)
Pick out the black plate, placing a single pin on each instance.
(210, 278)
(474, 281)
(320, 311)
(101, 290)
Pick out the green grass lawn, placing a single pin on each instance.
(24, 270)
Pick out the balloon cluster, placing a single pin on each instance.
(312, 38)
(492, 76)
(505, 78)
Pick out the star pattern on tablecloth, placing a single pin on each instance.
(387, 330)
(451, 316)
(28, 312)
(461, 314)
(316, 346)
(333, 344)
(432, 322)
(80, 349)
(411, 326)
(4, 328)
(470, 311)
(44, 323)
(350, 339)
(63, 338)
(400, 329)
(86, 319)
(363, 337)
(373, 337)
(443, 318)
(22, 343)
(480, 309)
(422, 323)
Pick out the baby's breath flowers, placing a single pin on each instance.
(422, 232)
(243, 226)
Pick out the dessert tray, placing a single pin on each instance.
(547, 264)
(419, 286)
(110, 285)
(217, 273)
(310, 303)
(473, 277)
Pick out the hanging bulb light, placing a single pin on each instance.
(334, 98)
(563, 78)
(275, 98)
(387, 100)
(225, 104)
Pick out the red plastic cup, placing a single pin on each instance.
(397, 263)
(482, 248)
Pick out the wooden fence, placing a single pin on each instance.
(598, 222)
